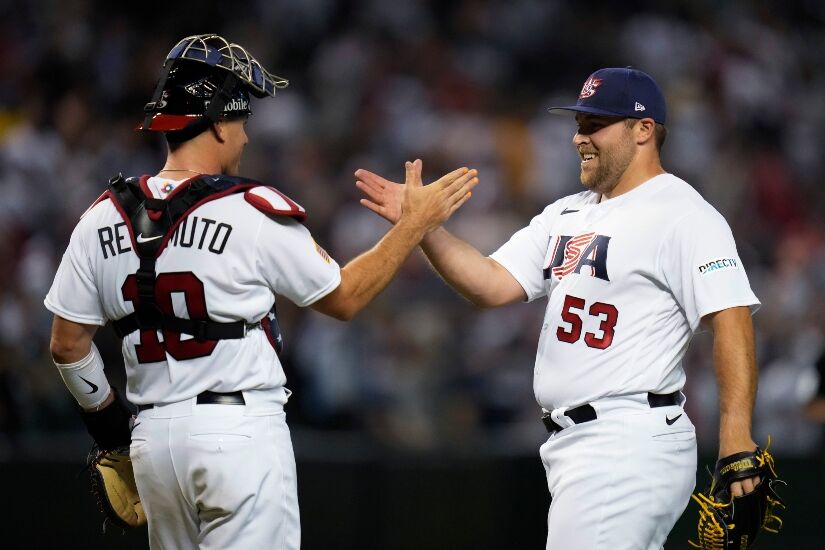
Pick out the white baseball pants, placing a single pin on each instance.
(217, 477)
(619, 482)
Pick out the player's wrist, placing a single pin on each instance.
(86, 380)
(432, 236)
(413, 226)
(739, 445)
(106, 402)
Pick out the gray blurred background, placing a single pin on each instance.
(415, 424)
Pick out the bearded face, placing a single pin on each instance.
(606, 148)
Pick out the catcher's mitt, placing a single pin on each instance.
(732, 523)
(113, 484)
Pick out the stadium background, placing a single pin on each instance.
(414, 425)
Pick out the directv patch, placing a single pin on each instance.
(717, 265)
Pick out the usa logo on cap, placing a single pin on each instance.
(589, 87)
(622, 92)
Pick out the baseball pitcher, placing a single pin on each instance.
(631, 268)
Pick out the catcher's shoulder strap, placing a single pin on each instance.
(152, 222)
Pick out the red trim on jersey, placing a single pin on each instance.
(103, 196)
(264, 205)
(144, 186)
(182, 185)
(126, 219)
(154, 215)
(295, 210)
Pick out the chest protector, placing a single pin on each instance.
(152, 222)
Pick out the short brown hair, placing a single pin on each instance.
(659, 132)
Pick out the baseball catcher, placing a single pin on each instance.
(203, 252)
(728, 522)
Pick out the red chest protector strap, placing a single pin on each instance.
(151, 223)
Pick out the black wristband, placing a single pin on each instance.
(110, 427)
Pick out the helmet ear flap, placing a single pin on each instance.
(157, 102)
(190, 97)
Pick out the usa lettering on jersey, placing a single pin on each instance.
(571, 254)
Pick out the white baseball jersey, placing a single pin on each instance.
(628, 281)
(227, 259)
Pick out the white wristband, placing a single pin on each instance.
(86, 380)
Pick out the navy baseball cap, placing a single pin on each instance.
(623, 92)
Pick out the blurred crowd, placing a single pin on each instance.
(456, 83)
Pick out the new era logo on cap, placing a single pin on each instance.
(621, 92)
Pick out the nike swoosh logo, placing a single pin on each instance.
(670, 421)
(94, 387)
(142, 239)
(567, 211)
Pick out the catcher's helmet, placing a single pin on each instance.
(205, 78)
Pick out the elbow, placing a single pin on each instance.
(337, 306)
(483, 301)
(343, 314)
(341, 310)
(479, 302)
(63, 350)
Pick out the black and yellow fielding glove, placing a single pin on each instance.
(729, 522)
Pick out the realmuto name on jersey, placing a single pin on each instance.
(193, 232)
(574, 253)
(202, 233)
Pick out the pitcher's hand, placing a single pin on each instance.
(427, 207)
(386, 198)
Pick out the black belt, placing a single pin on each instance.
(586, 412)
(211, 398)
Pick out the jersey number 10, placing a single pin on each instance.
(606, 312)
(152, 350)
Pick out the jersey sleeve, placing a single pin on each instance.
(702, 267)
(523, 255)
(293, 264)
(74, 294)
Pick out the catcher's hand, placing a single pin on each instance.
(728, 522)
(113, 484)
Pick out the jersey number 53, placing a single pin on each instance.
(570, 313)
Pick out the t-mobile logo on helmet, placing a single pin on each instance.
(572, 254)
(234, 105)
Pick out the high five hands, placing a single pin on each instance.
(429, 205)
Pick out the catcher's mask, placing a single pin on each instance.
(205, 78)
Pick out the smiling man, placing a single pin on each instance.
(623, 266)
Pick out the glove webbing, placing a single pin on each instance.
(712, 535)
